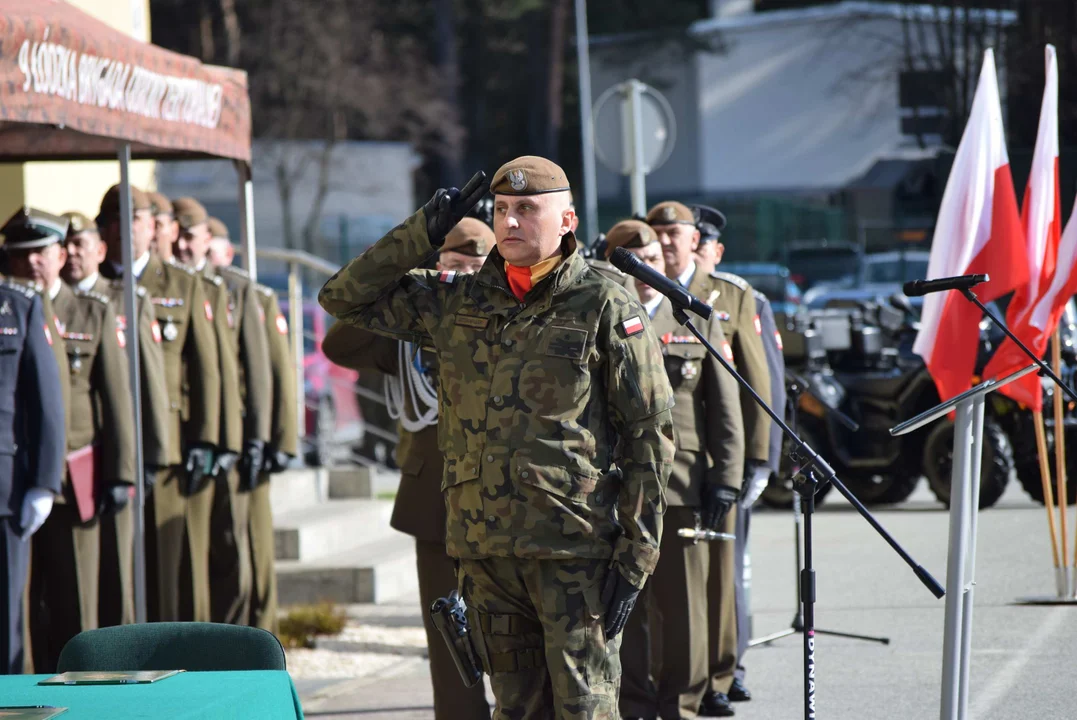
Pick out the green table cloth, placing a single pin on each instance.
(267, 695)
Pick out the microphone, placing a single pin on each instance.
(629, 264)
(917, 288)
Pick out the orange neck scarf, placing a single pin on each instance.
(522, 279)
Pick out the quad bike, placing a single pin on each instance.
(878, 382)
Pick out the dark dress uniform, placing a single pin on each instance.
(231, 579)
(117, 596)
(66, 552)
(283, 444)
(192, 370)
(32, 448)
(776, 367)
(734, 305)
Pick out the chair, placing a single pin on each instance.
(187, 646)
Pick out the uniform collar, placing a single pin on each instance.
(651, 306)
(492, 273)
(685, 278)
(55, 289)
(88, 282)
(139, 266)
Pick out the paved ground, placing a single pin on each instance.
(1023, 656)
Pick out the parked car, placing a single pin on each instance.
(333, 420)
(771, 279)
(898, 266)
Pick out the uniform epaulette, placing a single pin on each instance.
(235, 271)
(180, 266)
(264, 289)
(732, 279)
(215, 279)
(91, 294)
(758, 295)
(19, 287)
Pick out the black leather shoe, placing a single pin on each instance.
(716, 704)
(739, 693)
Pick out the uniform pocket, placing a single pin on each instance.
(684, 365)
(563, 482)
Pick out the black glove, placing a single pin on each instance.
(717, 500)
(113, 499)
(199, 465)
(619, 597)
(276, 461)
(250, 466)
(448, 207)
(223, 463)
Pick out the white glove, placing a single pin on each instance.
(758, 483)
(36, 507)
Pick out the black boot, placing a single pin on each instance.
(716, 704)
(739, 693)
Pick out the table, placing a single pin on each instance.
(266, 695)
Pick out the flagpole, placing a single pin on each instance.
(1048, 495)
(1060, 453)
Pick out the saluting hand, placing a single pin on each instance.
(449, 207)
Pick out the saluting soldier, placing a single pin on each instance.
(549, 376)
(665, 647)
(64, 581)
(232, 597)
(733, 303)
(85, 253)
(419, 509)
(230, 561)
(192, 369)
(32, 451)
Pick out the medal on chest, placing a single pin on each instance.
(169, 331)
(76, 362)
(689, 369)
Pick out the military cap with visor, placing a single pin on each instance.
(471, 236)
(671, 212)
(629, 234)
(189, 212)
(110, 203)
(710, 223)
(30, 228)
(529, 175)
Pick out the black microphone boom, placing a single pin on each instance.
(629, 264)
(917, 288)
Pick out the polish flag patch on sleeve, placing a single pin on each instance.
(758, 326)
(447, 276)
(209, 311)
(282, 325)
(632, 326)
(121, 337)
(156, 330)
(48, 335)
(727, 351)
(778, 340)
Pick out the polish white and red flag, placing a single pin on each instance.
(1032, 315)
(978, 231)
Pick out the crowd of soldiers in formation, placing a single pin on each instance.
(682, 649)
(217, 391)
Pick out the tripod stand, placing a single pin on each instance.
(807, 485)
(798, 387)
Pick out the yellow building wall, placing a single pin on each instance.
(61, 186)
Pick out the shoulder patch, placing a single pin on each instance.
(448, 277)
(93, 295)
(632, 326)
(172, 262)
(759, 297)
(732, 279)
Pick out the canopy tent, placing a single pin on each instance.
(73, 88)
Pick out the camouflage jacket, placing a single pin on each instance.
(538, 401)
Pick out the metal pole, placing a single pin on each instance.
(246, 218)
(587, 128)
(970, 560)
(136, 391)
(633, 127)
(960, 495)
(295, 311)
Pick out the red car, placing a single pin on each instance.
(333, 420)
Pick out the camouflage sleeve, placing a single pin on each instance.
(724, 433)
(357, 349)
(751, 361)
(382, 291)
(639, 399)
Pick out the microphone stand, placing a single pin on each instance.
(815, 472)
(797, 387)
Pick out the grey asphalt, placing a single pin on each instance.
(1024, 658)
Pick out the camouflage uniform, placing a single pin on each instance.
(536, 517)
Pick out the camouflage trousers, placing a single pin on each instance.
(538, 629)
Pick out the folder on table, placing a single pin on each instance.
(126, 677)
(31, 712)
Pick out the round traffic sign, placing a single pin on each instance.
(657, 123)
